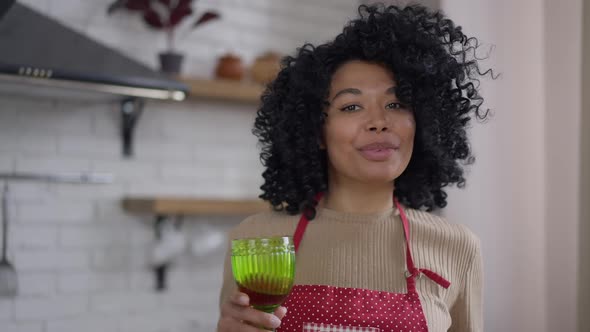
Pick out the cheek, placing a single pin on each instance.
(406, 129)
(339, 134)
(338, 139)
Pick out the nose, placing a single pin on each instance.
(378, 129)
(378, 121)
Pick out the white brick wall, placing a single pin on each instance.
(81, 260)
(94, 323)
(22, 327)
(124, 302)
(51, 260)
(6, 309)
(33, 236)
(87, 282)
(35, 283)
(50, 308)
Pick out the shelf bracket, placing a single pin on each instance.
(161, 271)
(131, 110)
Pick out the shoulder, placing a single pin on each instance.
(450, 236)
(268, 223)
(267, 218)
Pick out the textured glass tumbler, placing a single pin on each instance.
(264, 268)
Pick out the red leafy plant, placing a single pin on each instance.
(163, 14)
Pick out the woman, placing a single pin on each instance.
(359, 138)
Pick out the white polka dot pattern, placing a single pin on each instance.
(351, 309)
(314, 327)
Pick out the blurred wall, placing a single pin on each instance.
(563, 109)
(584, 234)
(522, 193)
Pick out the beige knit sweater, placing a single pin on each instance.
(367, 251)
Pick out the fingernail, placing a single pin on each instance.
(243, 299)
(275, 321)
(283, 309)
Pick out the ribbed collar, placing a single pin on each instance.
(359, 218)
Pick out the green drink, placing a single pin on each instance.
(264, 269)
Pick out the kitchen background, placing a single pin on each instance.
(83, 261)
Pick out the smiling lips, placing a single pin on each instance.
(378, 151)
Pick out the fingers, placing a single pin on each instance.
(237, 315)
(240, 299)
(253, 316)
(281, 312)
(227, 324)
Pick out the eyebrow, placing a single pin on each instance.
(354, 91)
(348, 90)
(391, 91)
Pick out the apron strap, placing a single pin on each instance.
(412, 272)
(302, 225)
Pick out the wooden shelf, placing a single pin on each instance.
(228, 90)
(163, 207)
(188, 206)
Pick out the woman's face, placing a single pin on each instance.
(368, 134)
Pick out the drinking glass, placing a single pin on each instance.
(264, 268)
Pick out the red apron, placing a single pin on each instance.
(321, 308)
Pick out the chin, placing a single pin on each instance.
(380, 177)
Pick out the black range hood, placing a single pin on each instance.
(41, 57)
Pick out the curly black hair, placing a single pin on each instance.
(436, 73)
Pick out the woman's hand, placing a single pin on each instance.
(238, 316)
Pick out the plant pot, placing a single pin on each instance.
(170, 62)
(229, 67)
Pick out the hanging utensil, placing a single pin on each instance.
(8, 278)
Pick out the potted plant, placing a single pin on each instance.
(165, 15)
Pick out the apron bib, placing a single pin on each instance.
(321, 308)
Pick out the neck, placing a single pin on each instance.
(350, 196)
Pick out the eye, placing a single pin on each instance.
(395, 105)
(350, 108)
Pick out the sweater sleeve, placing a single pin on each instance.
(467, 312)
